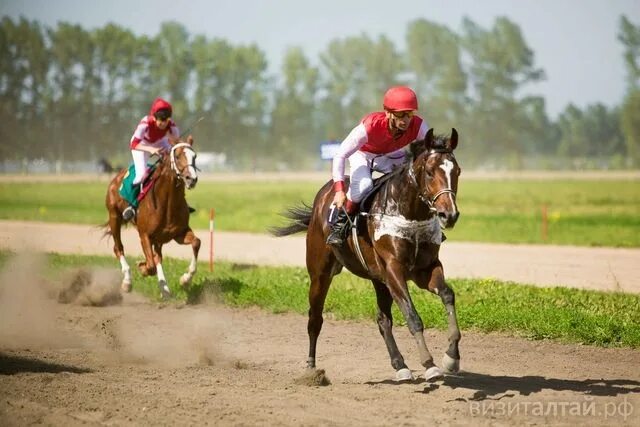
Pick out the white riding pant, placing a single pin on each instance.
(140, 159)
(361, 165)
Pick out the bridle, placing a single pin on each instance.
(430, 201)
(174, 164)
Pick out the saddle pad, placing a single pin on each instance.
(131, 193)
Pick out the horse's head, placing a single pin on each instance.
(183, 162)
(434, 171)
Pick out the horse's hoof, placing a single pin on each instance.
(165, 292)
(126, 287)
(433, 374)
(449, 364)
(404, 374)
(185, 280)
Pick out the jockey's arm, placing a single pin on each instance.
(147, 148)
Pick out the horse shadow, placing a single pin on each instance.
(496, 387)
(11, 365)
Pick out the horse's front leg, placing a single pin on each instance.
(397, 284)
(433, 280)
(165, 292)
(189, 239)
(385, 324)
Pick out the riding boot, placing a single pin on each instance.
(339, 229)
(340, 225)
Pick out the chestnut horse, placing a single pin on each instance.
(163, 215)
(399, 239)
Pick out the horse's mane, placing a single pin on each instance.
(439, 143)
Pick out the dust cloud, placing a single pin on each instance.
(96, 287)
(119, 328)
(27, 309)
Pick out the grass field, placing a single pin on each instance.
(580, 212)
(596, 318)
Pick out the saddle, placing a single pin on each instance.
(133, 194)
(378, 183)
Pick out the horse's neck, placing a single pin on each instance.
(402, 198)
(166, 176)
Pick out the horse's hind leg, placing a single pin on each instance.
(385, 324)
(189, 239)
(433, 280)
(115, 225)
(322, 266)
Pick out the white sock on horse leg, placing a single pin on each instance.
(193, 266)
(160, 271)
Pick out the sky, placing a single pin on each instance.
(574, 41)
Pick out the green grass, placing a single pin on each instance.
(569, 315)
(580, 212)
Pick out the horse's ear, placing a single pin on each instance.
(190, 140)
(418, 146)
(454, 139)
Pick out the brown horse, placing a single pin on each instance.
(399, 239)
(163, 215)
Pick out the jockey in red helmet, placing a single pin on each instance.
(152, 135)
(376, 143)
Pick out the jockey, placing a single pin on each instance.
(152, 136)
(376, 143)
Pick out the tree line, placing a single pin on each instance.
(68, 93)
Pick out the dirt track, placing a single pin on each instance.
(608, 269)
(140, 363)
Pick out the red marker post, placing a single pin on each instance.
(212, 215)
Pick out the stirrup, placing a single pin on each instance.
(129, 213)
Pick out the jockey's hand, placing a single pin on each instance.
(339, 199)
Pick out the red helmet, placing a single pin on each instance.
(400, 98)
(160, 104)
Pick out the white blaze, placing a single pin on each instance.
(190, 155)
(447, 167)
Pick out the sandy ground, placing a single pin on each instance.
(99, 360)
(140, 363)
(607, 269)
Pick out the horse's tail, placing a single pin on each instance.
(300, 215)
(106, 230)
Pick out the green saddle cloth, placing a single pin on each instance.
(131, 192)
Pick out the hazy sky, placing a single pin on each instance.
(574, 41)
